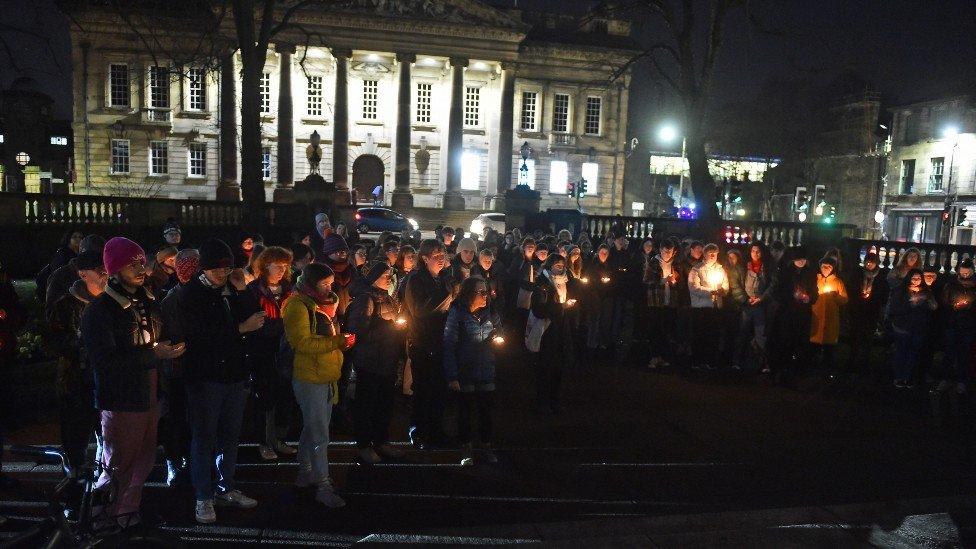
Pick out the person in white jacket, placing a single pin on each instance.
(707, 284)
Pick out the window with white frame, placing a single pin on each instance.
(371, 93)
(424, 95)
(265, 89)
(120, 156)
(530, 109)
(591, 173)
(266, 163)
(560, 112)
(472, 106)
(527, 176)
(158, 158)
(314, 100)
(196, 98)
(938, 168)
(158, 87)
(558, 177)
(594, 106)
(118, 85)
(197, 161)
(470, 171)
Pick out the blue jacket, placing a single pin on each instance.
(468, 354)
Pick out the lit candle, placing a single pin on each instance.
(605, 279)
(585, 280)
(827, 289)
(715, 279)
(400, 322)
(498, 340)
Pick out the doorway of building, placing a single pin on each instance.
(367, 174)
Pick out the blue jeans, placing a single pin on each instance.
(752, 326)
(958, 350)
(315, 400)
(215, 412)
(907, 348)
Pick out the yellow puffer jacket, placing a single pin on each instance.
(318, 358)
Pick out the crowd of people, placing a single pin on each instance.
(170, 347)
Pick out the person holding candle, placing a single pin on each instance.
(426, 301)
(910, 311)
(406, 264)
(708, 285)
(471, 335)
(936, 283)
(550, 302)
(660, 277)
(958, 299)
(372, 317)
(313, 333)
(795, 293)
(600, 311)
(825, 319)
(867, 299)
(487, 268)
(273, 394)
(625, 278)
(757, 285)
(690, 256)
(907, 261)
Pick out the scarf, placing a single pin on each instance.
(755, 266)
(343, 274)
(559, 281)
(326, 304)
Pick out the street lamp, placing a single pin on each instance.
(668, 134)
(22, 158)
(526, 151)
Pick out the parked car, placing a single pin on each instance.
(487, 221)
(383, 219)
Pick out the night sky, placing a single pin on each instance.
(907, 50)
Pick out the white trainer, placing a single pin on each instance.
(205, 513)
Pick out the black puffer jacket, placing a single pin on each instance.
(426, 302)
(209, 320)
(379, 343)
(121, 354)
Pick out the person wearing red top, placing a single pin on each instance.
(270, 288)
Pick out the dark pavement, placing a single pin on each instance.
(637, 458)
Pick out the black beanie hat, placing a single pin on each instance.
(215, 254)
(376, 271)
(89, 260)
(313, 273)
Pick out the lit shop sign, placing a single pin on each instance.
(59, 140)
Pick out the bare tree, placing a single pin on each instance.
(680, 43)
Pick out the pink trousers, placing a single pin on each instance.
(129, 454)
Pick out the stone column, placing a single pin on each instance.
(453, 199)
(340, 132)
(228, 190)
(402, 198)
(505, 129)
(286, 118)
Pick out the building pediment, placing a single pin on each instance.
(463, 12)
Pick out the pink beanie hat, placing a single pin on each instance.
(119, 252)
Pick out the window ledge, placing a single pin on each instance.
(369, 122)
(195, 180)
(158, 177)
(267, 118)
(423, 128)
(314, 121)
(474, 131)
(120, 174)
(197, 115)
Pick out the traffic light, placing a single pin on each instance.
(581, 188)
(571, 188)
(946, 214)
(735, 190)
(801, 201)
